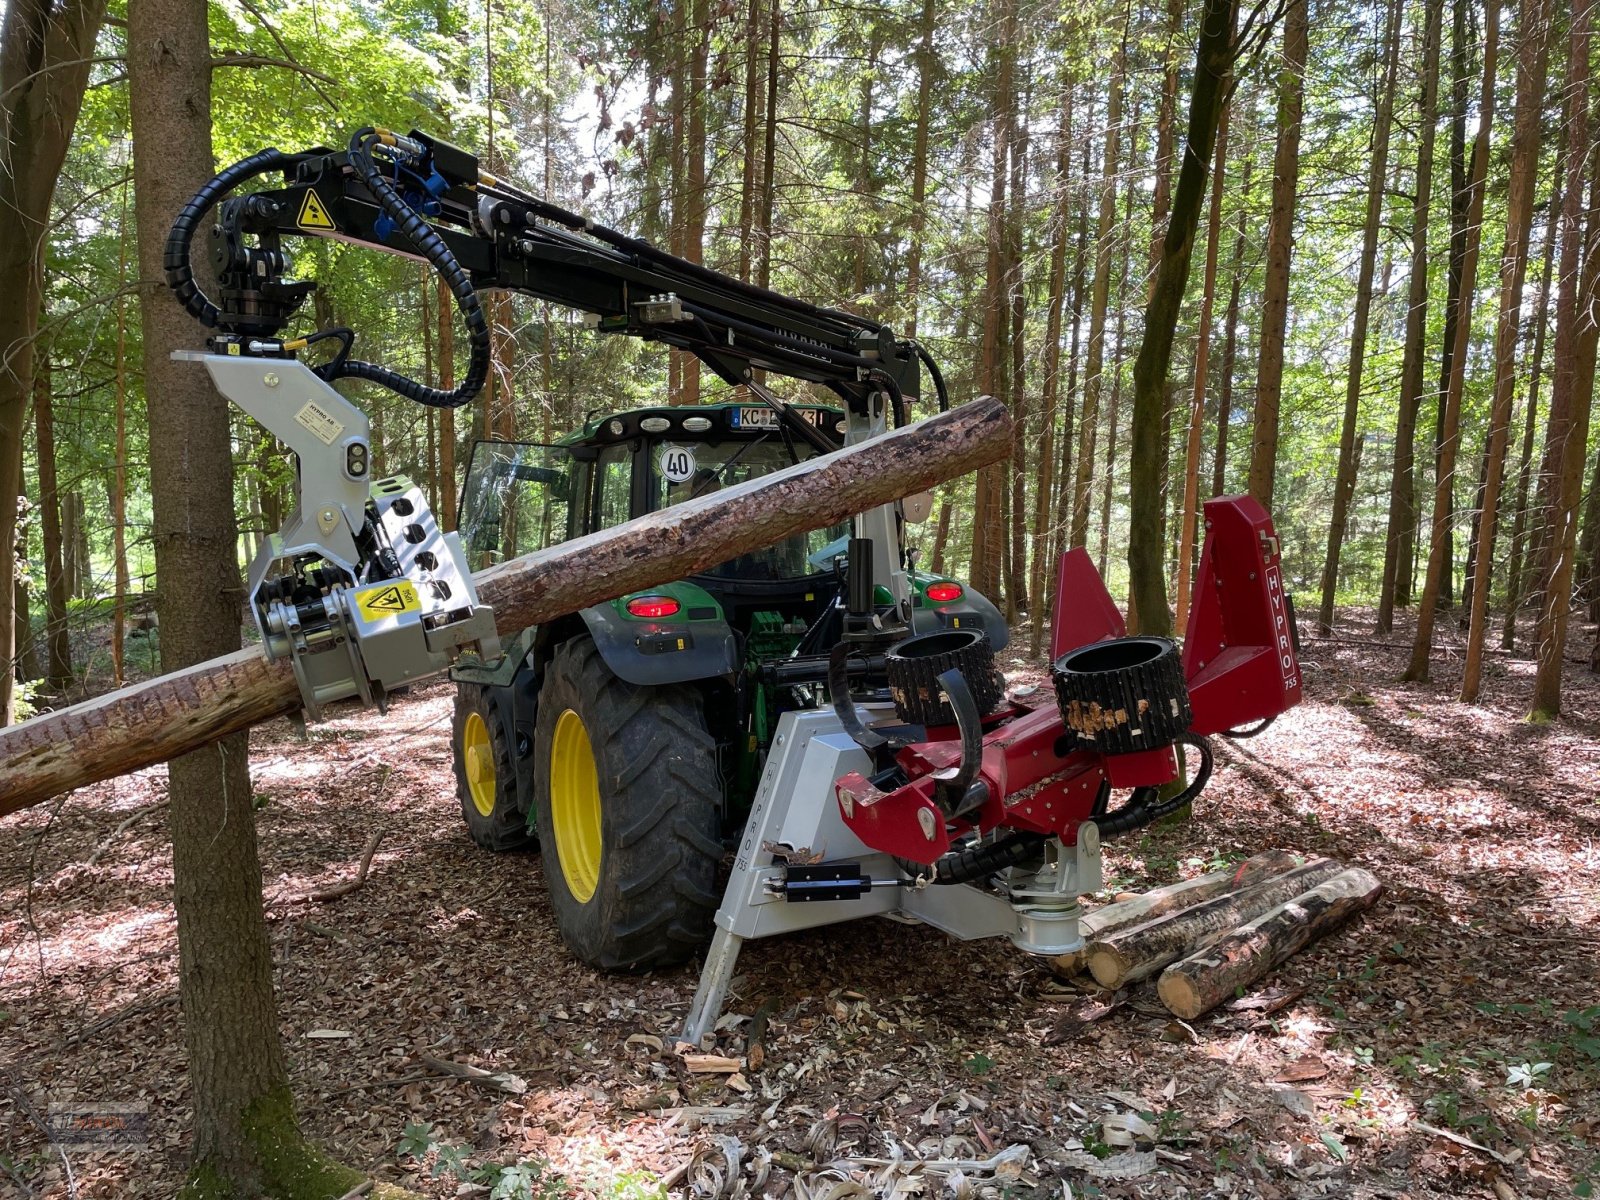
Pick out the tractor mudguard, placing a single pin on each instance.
(650, 653)
(973, 610)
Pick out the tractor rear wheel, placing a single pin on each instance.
(626, 794)
(484, 740)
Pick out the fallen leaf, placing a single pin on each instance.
(1301, 1070)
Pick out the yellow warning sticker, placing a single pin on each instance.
(387, 600)
(313, 215)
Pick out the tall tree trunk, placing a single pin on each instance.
(1108, 477)
(1188, 519)
(694, 228)
(769, 151)
(46, 52)
(1344, 484)
(58, 672)
(1280, 247)
(1533, 58)
(1440, 543)
(1516, 569)
(1230, 335)
(1213, 65)
(919, 166)
(1166, 119)
(1017, 595)
(1093, 380)
(119, 474)
(751, 176)
(1061, 527)
(225, 970)
(245, 1136)
(1589, 547)
(1050, 372)
(1400, 531)
(1572, 389)
(989, 531)
(1460, 202)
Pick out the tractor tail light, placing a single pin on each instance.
(653, 607)
(943, 593)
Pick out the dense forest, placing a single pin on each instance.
(1385, 335)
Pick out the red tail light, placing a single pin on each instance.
(653, 607)
(943, 593)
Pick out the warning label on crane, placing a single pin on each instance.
(313, 215)
(387, 600)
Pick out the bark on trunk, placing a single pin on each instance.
(1400, 535)
(1204, 980)
(1050, 376)
(1147, 585)
(1344, 485)
(1439, 565)
(1572, 390)
(1175, 897)
(238, 1083)
(1202, 364)
(919, 167)
(119, 474)
(1230, 336)
(46, 53)
(1093, 380)
(1130, 955)
(58, 672)
(1280, 247)
(1460, 204)
(1518, 570)
(1533, 56)
(154, 721)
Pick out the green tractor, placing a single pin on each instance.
(629, 742)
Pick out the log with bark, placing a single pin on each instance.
(1205, 979)
(177, 713)
(1130, 955)
(1158, 902)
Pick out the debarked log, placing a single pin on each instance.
(174, 714)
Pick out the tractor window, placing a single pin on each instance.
(613, 487)
(712, 466)
(517, 499)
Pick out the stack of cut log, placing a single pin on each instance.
(1210, 936)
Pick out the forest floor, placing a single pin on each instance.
(1446, 1044)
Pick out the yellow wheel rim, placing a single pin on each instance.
(575, 806)
(478, 756)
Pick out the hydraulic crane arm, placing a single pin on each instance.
(361, 589)
(422, 197)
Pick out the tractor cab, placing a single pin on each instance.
(519, 497)
(676, 690)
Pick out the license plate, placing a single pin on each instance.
(767, 419)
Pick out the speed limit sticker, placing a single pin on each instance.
(676, 463)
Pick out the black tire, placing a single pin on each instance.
(913, 668)
(650, 868)
(484, 745)
(1123, 695)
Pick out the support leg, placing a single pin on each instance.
(713, 990)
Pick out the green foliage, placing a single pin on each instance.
(525, 1179)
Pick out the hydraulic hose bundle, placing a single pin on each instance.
(410, 224)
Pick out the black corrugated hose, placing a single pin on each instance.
(180, 276)
(432, 247)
